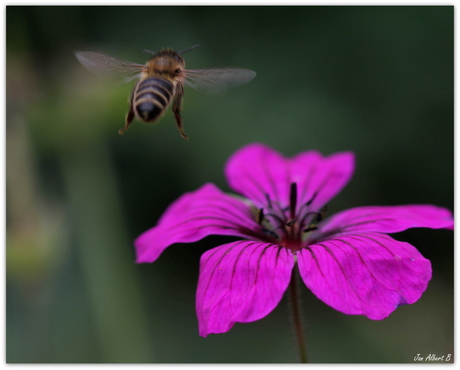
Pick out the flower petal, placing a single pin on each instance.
(387, 219)
(194, 216)
(257, 171)
(240, 282)
(365, 274)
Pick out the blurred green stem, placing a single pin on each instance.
(108, 265)
(296, 315)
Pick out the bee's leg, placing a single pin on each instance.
(177, 107)
(128, 120)
(129, 116)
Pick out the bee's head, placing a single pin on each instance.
(166, 62)
(166, 54)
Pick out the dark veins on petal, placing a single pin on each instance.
(361, 238)
(216, 265)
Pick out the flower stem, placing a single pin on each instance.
(296, 315)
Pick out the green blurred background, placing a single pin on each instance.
(374, 80)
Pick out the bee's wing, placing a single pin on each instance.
(108, 66)
(217, 80)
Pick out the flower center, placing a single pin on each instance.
(289, 226)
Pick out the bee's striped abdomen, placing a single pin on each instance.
(151, 98)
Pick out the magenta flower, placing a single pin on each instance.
(346, 260)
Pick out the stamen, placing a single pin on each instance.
(276, 217)
(293, 199)
(319, 217)
(322, 214)
(269, 203)
(303, 220)
(305, 207)
(290, 223)
(270, 233)
(260, 216)
(312, 224)
(312, 198)
(267, 227)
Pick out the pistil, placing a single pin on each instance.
(289, 225)
(293, 200)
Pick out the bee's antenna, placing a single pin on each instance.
(190, 48)
(149, 51)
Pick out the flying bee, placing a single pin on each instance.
(161, 81)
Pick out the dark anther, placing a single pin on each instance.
(322, 214)
(290, 223)
(260, 216)
(310, 228)
(293, 199)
